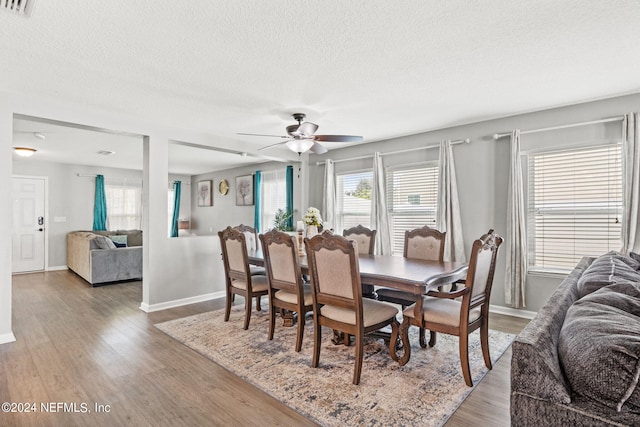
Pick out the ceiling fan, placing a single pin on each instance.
(301, 137)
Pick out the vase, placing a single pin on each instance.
(312, 230)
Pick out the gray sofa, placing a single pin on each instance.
(578, 361)
(93, 255)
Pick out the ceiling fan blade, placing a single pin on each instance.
(318, 148)
(292, 130)
(338, 138)
(259, 134)
(307, 128)
(272, 145)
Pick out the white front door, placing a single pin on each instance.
(28, 234)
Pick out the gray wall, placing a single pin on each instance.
(482, 169)
(224, 212)
(71, 197)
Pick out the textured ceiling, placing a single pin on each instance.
(376, 68)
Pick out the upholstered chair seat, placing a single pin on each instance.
(292, 298)
(259, 284)
(373, 312)
(443, 311)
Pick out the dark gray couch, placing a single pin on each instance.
(576, 363)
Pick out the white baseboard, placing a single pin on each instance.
(180, 302)
(57, 268)
(508, 311)
(7, 338)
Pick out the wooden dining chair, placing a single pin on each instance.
(441, 312)
(286, 289)
(337, 296)
(251, 238)
(238, 278)
(366, 240)
(421, 243)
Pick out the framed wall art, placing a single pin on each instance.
(204, 193)
(244, 190)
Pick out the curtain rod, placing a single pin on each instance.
(497, 136)
(127, 179)
(427, 147)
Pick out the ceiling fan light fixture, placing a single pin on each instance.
(300, 145)
(24, 151)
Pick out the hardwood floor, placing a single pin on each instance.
(94, 346)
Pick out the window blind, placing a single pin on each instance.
(353, 200)
(412, 200)
(574, 205)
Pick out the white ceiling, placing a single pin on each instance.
(375, 68)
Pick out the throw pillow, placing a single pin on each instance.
(104, 242)
(607, 269)
(599, 347)
(119, 241)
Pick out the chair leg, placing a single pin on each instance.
(464, 359)
(423, 340)
(432, 338)
(272, 320)
(227, 311)
(258, 298)
(247, 311)
(484, 342)
(359, 356)
(300, 335)
(317, 332)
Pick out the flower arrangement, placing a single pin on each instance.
(312, 217)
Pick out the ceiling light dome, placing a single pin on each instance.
(24, 151)
(300, 145)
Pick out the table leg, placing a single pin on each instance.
(403, 331)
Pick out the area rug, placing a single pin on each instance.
(426, 391)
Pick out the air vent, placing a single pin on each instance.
(20, 7)
(106, 152)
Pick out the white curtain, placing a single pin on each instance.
(379, 218)
(631, 182)
(329, 195)
(124, 204)
(516, 239)
(448, 216)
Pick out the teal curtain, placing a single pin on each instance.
(177, 186)
(289, 177)
(100, 206)
(257, 202)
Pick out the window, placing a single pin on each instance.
(124, 205)
(412, 200)
(574, 205)
(353, 201)
(273, 196)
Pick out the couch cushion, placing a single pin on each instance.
(613, 267)
(599, 346)
(134, 237)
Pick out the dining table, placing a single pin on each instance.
(414, 276)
